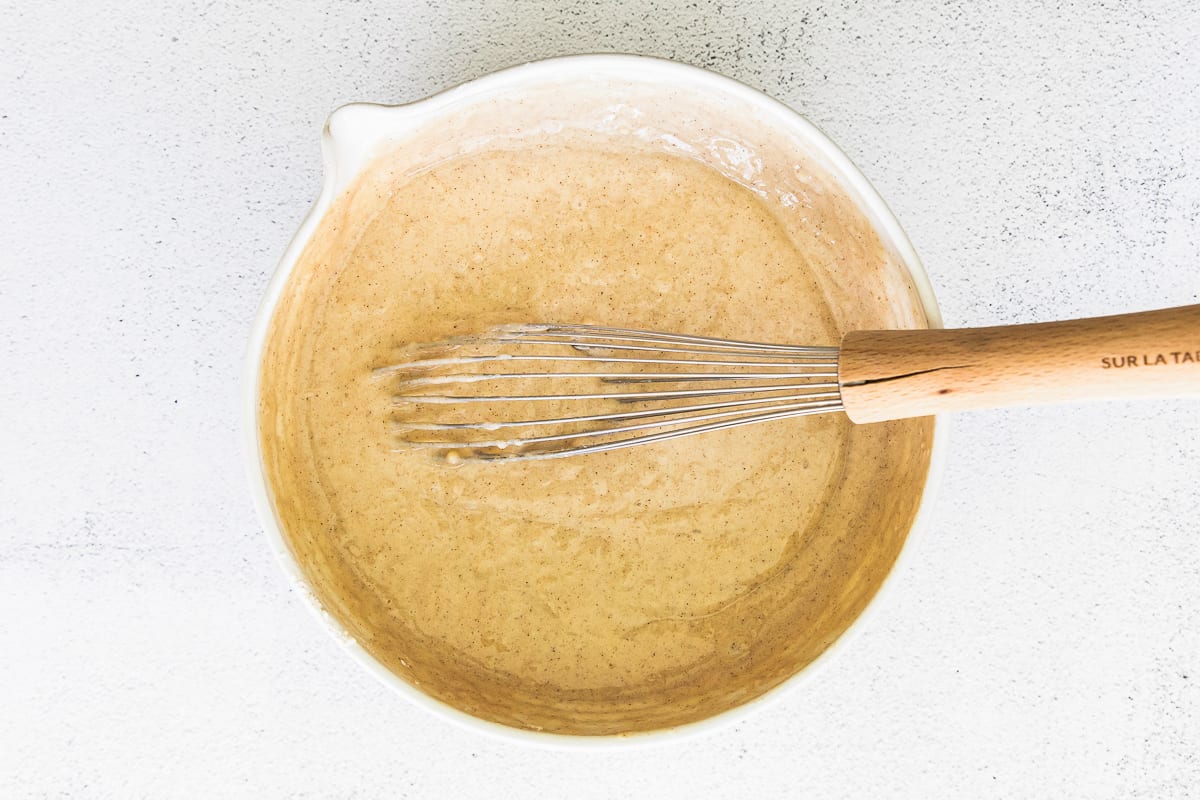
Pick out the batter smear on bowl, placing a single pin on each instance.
(617, 592)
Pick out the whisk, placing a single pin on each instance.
(537, 391)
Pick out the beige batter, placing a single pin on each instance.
(615, 592)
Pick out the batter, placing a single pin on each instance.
(616, 592)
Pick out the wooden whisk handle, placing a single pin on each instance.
(911, 373)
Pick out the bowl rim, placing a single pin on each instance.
(636, 67)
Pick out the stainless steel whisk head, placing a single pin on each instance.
(548, 391)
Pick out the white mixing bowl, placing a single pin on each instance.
(356, 133)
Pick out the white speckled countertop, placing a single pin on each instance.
(1043, 642)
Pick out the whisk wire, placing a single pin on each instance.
(748, 382)
(581, 334)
